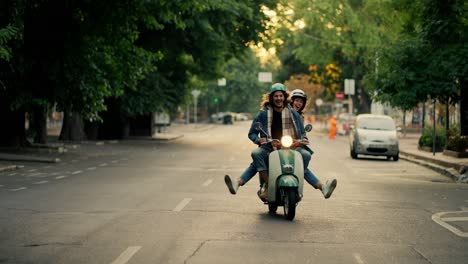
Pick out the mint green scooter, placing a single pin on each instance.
(285, 175)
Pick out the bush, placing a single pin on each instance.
(426, 138)
(457, 143)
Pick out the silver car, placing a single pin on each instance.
(374, 135)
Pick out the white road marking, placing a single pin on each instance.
(40, 182)
(18, 189)
(35, 174)
(126, 255)
(358, 258)
(76, 172)
(454, 219)
(438, 218)
(182, 204)
(114, 161)
(54, 173)
(12, 174)
(46, 167)
(74, 161)
(103, 164)
(60, 177)
(32, 170)
(91, 168)
(208, 182)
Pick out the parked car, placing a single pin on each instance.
(344, 123)
(374, 135)
(241, 117)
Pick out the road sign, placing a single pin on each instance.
(318, 102)
(349, 86)
(264, 77)
(222, 82)
(339, 95)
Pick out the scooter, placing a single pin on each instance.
(285, 175)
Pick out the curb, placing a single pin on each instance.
(166, 137)
(13, 157)
(8, 168)
(452, 173)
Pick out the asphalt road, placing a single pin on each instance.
(145, 201)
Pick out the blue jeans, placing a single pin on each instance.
(250, 172)
(260, 163)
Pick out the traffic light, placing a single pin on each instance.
(216, 100)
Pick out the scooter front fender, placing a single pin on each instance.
(288, 181)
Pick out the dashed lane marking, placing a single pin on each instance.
(358, 258)
(208, 182)
(60, 177)
(76, 172)
(18, 189)
(91, 168)
(40, 182)
(103, 164)
(126, 255)
(35, 174)
(182, 204)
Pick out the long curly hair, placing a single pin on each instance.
(268, 97)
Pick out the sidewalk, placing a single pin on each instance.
(447, 165)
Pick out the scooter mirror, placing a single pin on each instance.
(308, 128)
(258, 126)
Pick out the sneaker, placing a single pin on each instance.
(328, 188)
(259, 194)
(232, 185)
(263, 192)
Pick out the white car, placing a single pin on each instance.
(374, 135)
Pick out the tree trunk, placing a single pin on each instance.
(464, 107)
(72, 127)
(38, 124)
(13, 132)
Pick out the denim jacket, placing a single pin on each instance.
(262, 117)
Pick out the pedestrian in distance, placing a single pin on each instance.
(333, 128)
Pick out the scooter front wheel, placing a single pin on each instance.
(290, 202)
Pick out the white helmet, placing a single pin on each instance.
(299, 93)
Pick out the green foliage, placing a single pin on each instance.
(457, 143)
(243, 92)
(426, 139)
(6, 34)
(428, 59)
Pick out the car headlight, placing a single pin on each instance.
(286, 141)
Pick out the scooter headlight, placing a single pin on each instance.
(286, 141)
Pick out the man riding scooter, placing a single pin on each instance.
(277, 119)
(299, 97)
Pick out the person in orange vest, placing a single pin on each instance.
(332, 122)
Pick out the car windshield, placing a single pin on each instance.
(375, 123)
